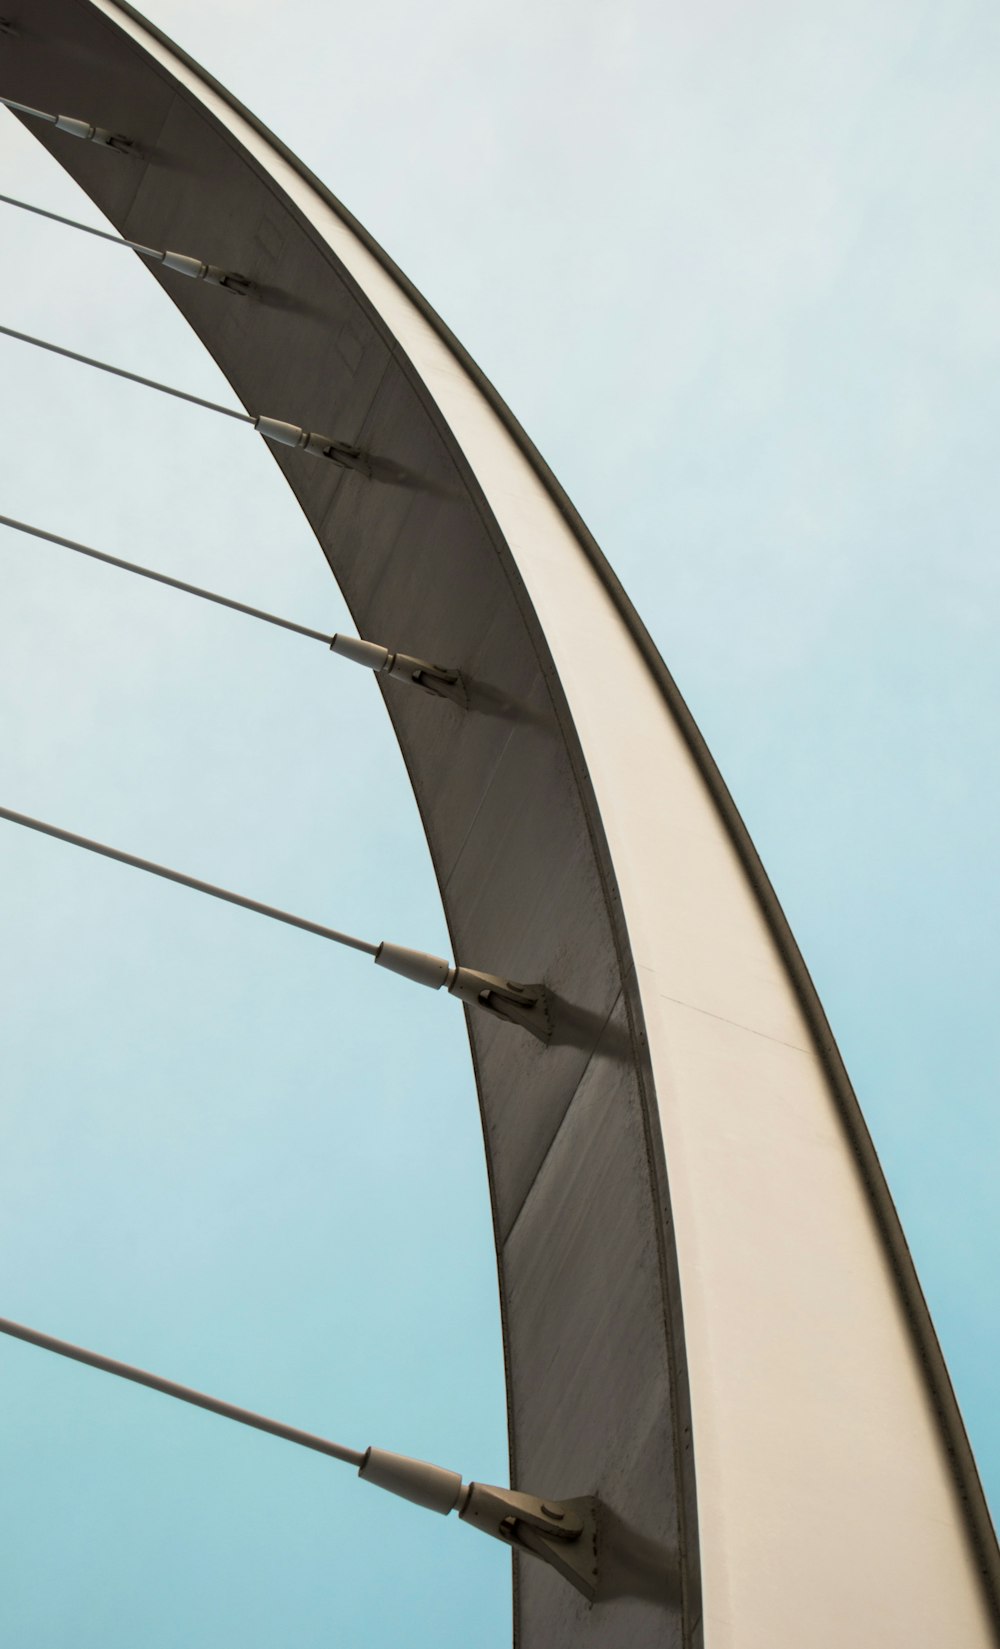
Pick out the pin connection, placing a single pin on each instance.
(281, 434)
(442, 683)
(518, 1004)
(70, 124)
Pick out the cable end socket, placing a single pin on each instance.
(524, 1005)
(320, 446)
(416, 965)
(430, 677)
(366, 653)
(94, 134)
(196, 270)
(563, 1533)
(433, 1487)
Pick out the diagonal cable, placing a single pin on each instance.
(194, 882)
(133, 377)
(164, 578)
(74, 223)
(185, 1394)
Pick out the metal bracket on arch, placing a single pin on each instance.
(440, 683)
(432, 678)
(563, 1533)
(320, 446)
(524, 1005)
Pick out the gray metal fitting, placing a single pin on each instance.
(282, 434)
(233, 282)
(320, 446)
(524, 1005)
(183, 265)
(93, 134)
(563, 1533)
(430, 677)
(367, 653)
(198, 271)
(440, 683)
(434, 1487)
(341, 452)
(417, 965)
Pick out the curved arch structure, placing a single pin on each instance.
(711, 1319)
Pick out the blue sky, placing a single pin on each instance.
(736, 270)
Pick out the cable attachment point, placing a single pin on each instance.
(94, 134)
(75, 128)
(198, 271)
(524, 1005)
(433, 1487)
(563, 1533)
(320, 446)
(441, 683)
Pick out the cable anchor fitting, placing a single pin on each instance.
(524, 1005)
(94, 134)
(68, 123)
(563, 1533)
(196, 270)
(320, 446)
(441, 683)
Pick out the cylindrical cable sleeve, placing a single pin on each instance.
(187, 881)
(416, 965)
(433, 1487)
(185, 1394)
(367, 653)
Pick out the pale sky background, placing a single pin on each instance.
(737, 270)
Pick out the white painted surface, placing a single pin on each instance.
(827, 1514)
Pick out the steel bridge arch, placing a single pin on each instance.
(710, 1315)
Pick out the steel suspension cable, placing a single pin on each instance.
(164, 578)
(185, 1394)
(194, 882)
(132, 377)
(73, 223)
